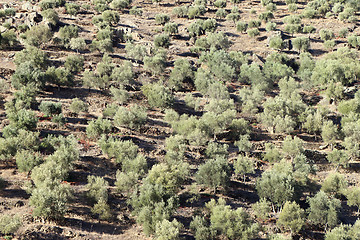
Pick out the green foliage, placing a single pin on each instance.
(277, 184)
(216, 150)
(329, 44)
(292, 217)
(182, 72)
(292, 146)
(266, 16)
(244, 165)
(46, 4)
(161, 18)
(166, 230)
(102, 209)
(323, 210)
(125, 182)
(354, 41)
(134, 117)
(301, 44)
(122, 151)
(221, 13)
(171, 28)
(37, 58)
(214, 173)
(326, 34)
(180, 12)
(23, 119)
(329, 132)
(50, 108)
(9, 224)
(262, 209)
(200, 226)
(72, 8)
(74, 63)
(8, 39)
(68, 32)
(120, 95)
(272, 154)
(253, 32)
(353, 197)
(334, 184)
(162, 40)
(97, 188)
(276, 43)
(338, 158)
(136, 51)
(158, 95)
(77, 106)
(156, 64)
(234, 224)
(135, 11)
(195, 11)
(49, 197)
(220, 3)
(98, 127)
(309, 29)
(37, 36)
(270, 26)
(241, 26)
(120, 4)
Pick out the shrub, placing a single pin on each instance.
(167, 230)
(38, 35)
(50, 108)
(97, 188)
(220, 3)
(9, 224)
(253, 32)
(243, 165)
(46, 4)
(158, 95)
(98, 127)
(134, 117)
(326, 34)
(77, 106)
(276, 43)
(27, 74)
(270, 26)
(74, 63)
(292, 217)
(60, 76)
(214, 173)
(8, 39)
(180, 12)
(51, 16)
(120, 4)
(68, 32)
(277, 184)
(35, 56)
(262, 209)
(162, 18)
(171, 28)
(123, 74)
(195, 11)
(136, 51)
(234, 224)
(241, 26)
(266, 16)
(302, 44)
(72, 8)
(26, 160)
(329, 44)
(309, 29)
(23, 119)
(111, 17)
(221, 13)
(334, 184)
(234, 15)
(155, 64)
(323, 210)
(182, 72)
(162, 40)
(136, 11)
